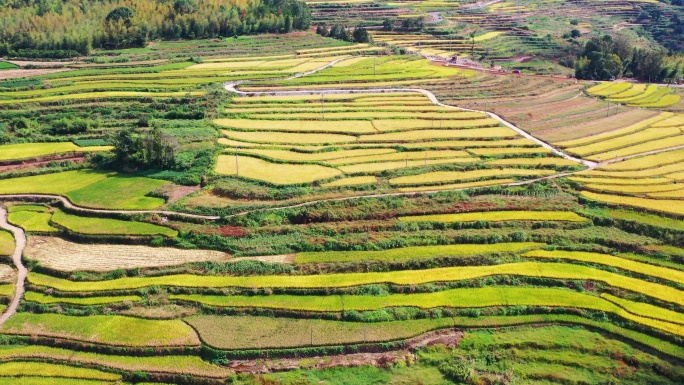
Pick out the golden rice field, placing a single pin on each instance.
(308, 138)
(453, 176)
(276, 173)
(497, 216)
(638, 95)
(649, 182)
(658, 133)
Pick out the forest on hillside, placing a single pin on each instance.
(67, 28)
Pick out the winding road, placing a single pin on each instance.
(20, 244)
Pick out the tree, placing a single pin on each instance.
(322, 30)
(388, 24)
(185, 6)
(575, 33)
(613, 65)
(120, 13)
(339, 32)
(126, 146)
(361, 35)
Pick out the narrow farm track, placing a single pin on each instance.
(69, 205)
(20, 244)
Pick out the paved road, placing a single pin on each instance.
(20, 241)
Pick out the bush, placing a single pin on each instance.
(67, 126)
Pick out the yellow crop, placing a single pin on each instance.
(276, 173)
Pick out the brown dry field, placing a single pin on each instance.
(59, 254)
(6, 273)
(22, 63)
(600, 124)
(12, 74)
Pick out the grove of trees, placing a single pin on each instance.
(606, 57)
(340, 32)
(64, 28)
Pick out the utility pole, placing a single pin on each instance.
(406, 160)
(237, 168)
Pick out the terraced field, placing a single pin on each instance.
(315, 236)
(639, 95)
(303, 139)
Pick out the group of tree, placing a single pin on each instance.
(408, 24)
(605, 57)
(62, 28)
(144, 148)
(340, 32)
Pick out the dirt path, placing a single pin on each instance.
(20, 241)
(68, 204)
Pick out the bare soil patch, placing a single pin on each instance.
(59, 254)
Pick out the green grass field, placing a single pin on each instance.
(94, 225)
(32, 221)
(119, 192)
(7, 65)
(90, 188)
